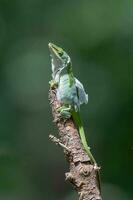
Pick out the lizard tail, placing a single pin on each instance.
(79, 123)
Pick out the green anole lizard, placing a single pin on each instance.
(70, 92)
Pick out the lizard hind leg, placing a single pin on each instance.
(65, 111)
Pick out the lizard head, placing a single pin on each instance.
(60, 59)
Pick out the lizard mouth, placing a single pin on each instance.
(55, 50)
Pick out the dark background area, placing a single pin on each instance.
(98, 35)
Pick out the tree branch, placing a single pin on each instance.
(83, 175)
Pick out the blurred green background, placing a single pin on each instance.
(98, 35)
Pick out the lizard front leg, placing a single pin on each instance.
(65, 111)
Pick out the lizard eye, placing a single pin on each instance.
(60, 53)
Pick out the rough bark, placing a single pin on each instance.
(83, 175)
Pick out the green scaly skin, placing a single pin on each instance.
(67, 111)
